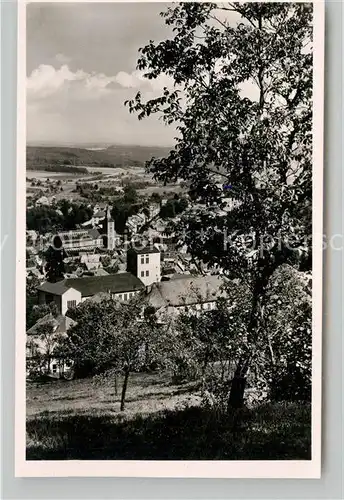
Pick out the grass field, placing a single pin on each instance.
(81, 420)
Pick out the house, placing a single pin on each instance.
(81, 239)
(96, 218)
(145, 263)
(43, 200)
(92, 261)
(153, 210)
(135, 222)
(41, 340)
(185, 292)
(69, 293)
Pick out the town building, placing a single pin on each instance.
(89, 238)
(90, 261)
(135, 222)
(145, 264)
(68, 293)
(185, 292)
(81, 239)
(40, 346)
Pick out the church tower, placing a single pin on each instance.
(109, 230)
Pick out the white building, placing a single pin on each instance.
(84, 239)
(68, 293)
(145, 264)
(38, 346)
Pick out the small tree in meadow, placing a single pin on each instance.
(113, 337)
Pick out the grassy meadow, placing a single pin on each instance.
(80, 419)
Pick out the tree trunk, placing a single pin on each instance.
(116, 384)
(236, 395)
(124, 387)
(238, 385)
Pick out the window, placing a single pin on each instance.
(142, 260)
(147, 259)
(68, 364)
(71, 303)
(125, 296)
(142, 274)
(54, 368)
(147, 273)
(119, 296)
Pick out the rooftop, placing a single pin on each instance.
(60, 324)
(145, 250)
(90, 285)
(186, 291)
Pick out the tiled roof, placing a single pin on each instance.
(58, 288)
(145, 250)
(187, 291)
(61, 323)
(100, 215)
(90, 285)
(94, 233)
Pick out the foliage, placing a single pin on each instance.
(156, 197)
(74, 214)
(112, 337)
(209, 344)
(173, 207)
(42, 347)
(106, 260)
(120, 156)
(124, 207)
(65, 215)
(55, 267)
(44, 219)
(130, 194)
(67, 167)
(285, 369)
(258, 142)
(38, 311)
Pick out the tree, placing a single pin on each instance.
(209, 343)
(42, 346)
(259, 142)
(112, 337)
(156, 197)
(285, 364)
(35, 311)
(54, 266)
(74, 214)
(43, 219)
(130, 194)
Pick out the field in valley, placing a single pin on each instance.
(103, 176)
(80, 419)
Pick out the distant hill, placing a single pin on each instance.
(113, 156)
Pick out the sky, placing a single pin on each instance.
(81, 67)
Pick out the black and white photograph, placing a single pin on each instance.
(172, 301)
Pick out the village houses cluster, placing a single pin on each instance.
(99, 263)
